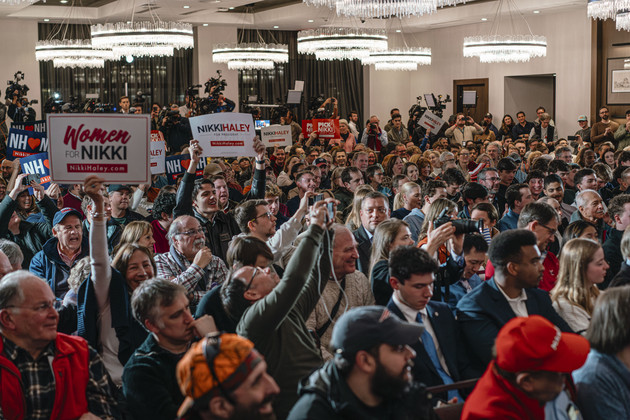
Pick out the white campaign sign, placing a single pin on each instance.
(276, 135)
(224, 134)
(158, 157)
(431, 121)
(113, 146)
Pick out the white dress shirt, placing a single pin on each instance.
(518, 304)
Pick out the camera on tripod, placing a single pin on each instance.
(14, 85)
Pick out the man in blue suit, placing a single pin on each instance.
(441, 357)
(511, 292)
(475, 249)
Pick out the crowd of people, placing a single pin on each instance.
(392, 273)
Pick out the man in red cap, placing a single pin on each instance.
(532, 358)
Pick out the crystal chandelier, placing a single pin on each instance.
(505, 48)
(341, 43)
(404, 60)
(622, 20)
(601, 9)
(16, 2)
(383, 8)
(250, 56)
(513, 48)
(71, 53)
(142, 39)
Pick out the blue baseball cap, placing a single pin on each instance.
(66, 211)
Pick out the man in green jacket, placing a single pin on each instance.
(273, 313)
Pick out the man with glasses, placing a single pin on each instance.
(375, 176)
(46, 374)
(512, 291)
(489, 178)
(190, 262)
(604, 130)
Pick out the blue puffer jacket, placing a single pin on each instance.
(48, 265)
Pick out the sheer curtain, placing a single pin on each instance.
(161, 79)
(342, 79)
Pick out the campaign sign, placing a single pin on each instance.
(307, 128)
(156, 135)
(39, 165)
(22, 143)
(158, 153)
(327, 129)
(276, 135)
(178, 164)
(225, 134)
(116, 147)
(430, 121)
(39, 126)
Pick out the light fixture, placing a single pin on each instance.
(341, 43)
(311, 21)
(622, 20)
(484, 19)
(17, 2)
(384, 8)
(46, 20)
(205, 24)
(497, 48)
(275, 26)
(186, 7)
(536, 12)
(71, 53)
(142, 39)
(601, 9)
(406, 60)
(244, 56)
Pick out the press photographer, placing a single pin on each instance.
(373, 137)
(176, 129)
(20, 109)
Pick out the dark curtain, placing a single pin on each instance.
(160, 79)
(342, 79)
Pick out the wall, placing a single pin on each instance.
(204, 68)
(18, 53)
(568, 56)
(528, 92)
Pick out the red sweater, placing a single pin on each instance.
(71, 368)
(496, 398)
(161, 242)
(552, 266)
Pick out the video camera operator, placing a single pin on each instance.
(176, 129)
(224, 104)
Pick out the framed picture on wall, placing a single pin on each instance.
(618, 81)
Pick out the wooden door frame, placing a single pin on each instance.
(464, 82)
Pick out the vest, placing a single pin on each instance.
(71, 369)
(550, 130)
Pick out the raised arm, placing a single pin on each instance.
(184, 198)
(101, 271)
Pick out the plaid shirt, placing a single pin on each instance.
(38, 383)
(168, 268)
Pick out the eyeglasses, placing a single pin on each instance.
(267, 214)
(552, 231)
(43, 307)
(249, 285)
(191, 232)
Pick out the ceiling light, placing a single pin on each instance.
(275, 27)
(404, 60)
(311, 21)
(601, 9)
(244, 56)
(16, 2)
(384, 8)
(231, 8)
(341, 43)
(484, 19)
(536, 12)
(63, 1)
(46, 20)
(186, 7)
(71, 53)
(398, 31)
(141, 39)
(205, 24)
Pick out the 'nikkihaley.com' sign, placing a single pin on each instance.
(225, 134)
(116, 147)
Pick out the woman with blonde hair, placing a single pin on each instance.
(407, 199)
(388, 235)
(582, 268)
(353, 221)
(433, 214)
(139, 232)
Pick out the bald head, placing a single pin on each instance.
(5, 265)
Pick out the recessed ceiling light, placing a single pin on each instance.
(311, 21)
(46, 20)
(275, 26)
(536, 11)
(63, 1)
(205, 24)
(231, 8)
(484, 19)
(217, 1)
(186, 7)
(398, 30)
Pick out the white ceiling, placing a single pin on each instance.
(291, 17)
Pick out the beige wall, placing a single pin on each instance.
(568, 56)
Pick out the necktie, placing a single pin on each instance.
(429, 346)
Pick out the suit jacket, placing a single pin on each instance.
(482, 313)
(365, 249)
(451, 345)
(623, 276)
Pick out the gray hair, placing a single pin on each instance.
(580, 201)
(12, 251)
(495, 143)
(446, 155)
(174, 228)
(11, 287)
(151, 295)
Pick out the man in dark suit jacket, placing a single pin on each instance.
(412, 271)
(511, 292)
(374, 210)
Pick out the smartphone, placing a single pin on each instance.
(313, 200)
(572, 138)
(30, 177)
(331, 211)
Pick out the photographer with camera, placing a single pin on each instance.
(463, 130)
(155, 116)
(373, 137)
(176, 130)
(19, 108)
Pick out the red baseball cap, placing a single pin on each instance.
(534, 343)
